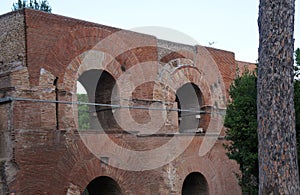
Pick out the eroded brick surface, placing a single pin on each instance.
(42, 57)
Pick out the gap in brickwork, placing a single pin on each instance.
(56, 104)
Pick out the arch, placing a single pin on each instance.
(195, 184)
(103, 185)
(185, 74)
(178, 77)
(99, 85)
(189, 97)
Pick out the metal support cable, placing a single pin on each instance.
(10, 99)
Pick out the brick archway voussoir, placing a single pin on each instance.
(89, 60)
(203, 166)
(86, 171)
(192, 75)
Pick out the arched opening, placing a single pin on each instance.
(195, 184)
(104, 94)
(189, 97)
(98, 86)
(103, 186)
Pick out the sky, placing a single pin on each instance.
(230, 25)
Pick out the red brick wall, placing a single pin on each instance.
(245, 66)
(49, 155)
(226, 64)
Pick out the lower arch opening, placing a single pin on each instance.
(102, 186)
(195, 184)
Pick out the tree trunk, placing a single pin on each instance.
(278, 166)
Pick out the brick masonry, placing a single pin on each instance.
(43, 55)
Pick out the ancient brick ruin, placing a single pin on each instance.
(163, 151)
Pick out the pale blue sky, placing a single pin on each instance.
(231, 24)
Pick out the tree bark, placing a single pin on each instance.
(278, 166)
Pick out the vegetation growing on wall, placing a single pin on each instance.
(83, 112)
(37, 5)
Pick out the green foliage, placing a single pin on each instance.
(83, 112)
(241, 121)
(41, 5)
(85, 192)
(297, 65)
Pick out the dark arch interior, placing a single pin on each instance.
(104, 95)
(102, 186)
(195, 184)
(99, 85)
(189, 97)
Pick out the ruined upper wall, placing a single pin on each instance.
(12, 41)
(226, 64)
(242, 67)
(53, 41)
